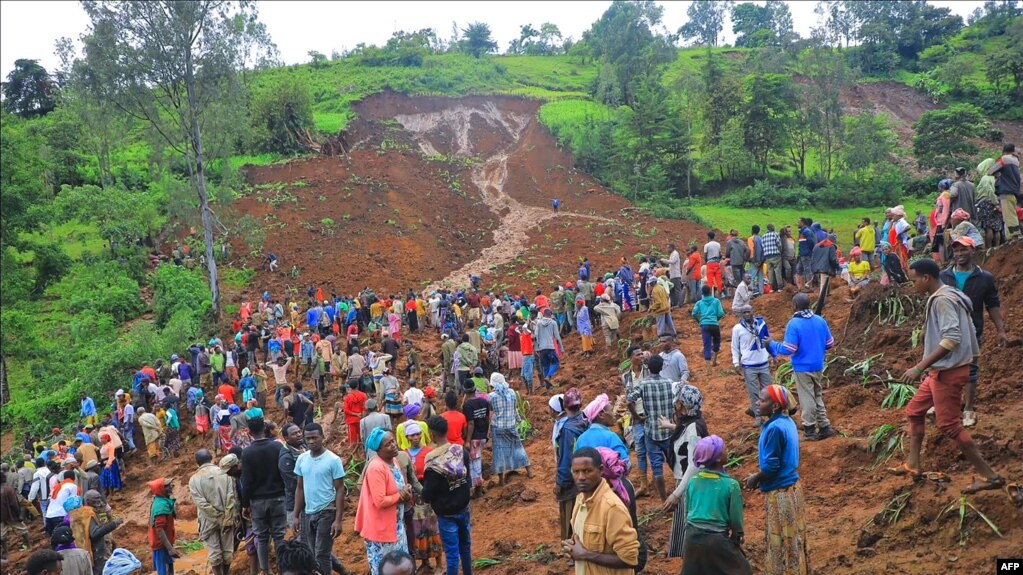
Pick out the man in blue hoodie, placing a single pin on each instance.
(807, 339)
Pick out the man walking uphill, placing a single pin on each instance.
(950, 345)
(807, 339)
(216, 502)
(547, 333)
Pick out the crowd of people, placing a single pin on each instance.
(415, 438)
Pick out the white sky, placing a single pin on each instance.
(29, 28)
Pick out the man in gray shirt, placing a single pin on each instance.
(950, 344)
(674, 263)
(373, 420)
(676, 368)
(547, 333)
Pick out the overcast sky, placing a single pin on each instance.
(29, 29)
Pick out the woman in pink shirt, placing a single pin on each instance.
(379, 519)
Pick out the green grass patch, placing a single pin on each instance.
(77, 239)
(332, 122)
(237, 278)
(236, 162)
(843, 220)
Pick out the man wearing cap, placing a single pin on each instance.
(751, 357)
(573, 425)
(92, 480)
(980, 286)
(216, 503)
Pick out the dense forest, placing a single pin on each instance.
(128, 145)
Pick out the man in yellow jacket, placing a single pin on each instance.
(660, 306)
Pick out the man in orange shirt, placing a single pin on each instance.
(228, 391)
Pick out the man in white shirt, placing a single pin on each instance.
(40, 490)
(413, 394)
(55, 510)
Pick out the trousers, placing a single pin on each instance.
(316, 534)
(269, 521)
(811, 399)
(456, 534)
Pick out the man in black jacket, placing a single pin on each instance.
(447, 487)
(980, 286)
(262, 495)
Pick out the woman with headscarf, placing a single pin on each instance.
(152, 431)
(425, 533)
(778, 478)
(225, 415)
(247, 385)
(509, 454)
(898, 235)
(961, 226)
(989, 211)
(615, 470)
(411, 414)
(584, 326)
(89, 532)
(382, 501)
(714, 518)
(687, 430)
(239, 427)
(940, 216)
(172, 431)
(110, 478)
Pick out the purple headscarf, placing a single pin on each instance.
(412, 410)
(614, 470)
(709, 450)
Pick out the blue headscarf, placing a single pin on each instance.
(376, 439)
(121, 562)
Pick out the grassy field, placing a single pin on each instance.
(844, 221)
(76, 238)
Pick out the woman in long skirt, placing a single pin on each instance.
(585, 326)
(172, 437)
(382, 501)
(785, 529)
(509, 454)
(689, 428)
(110, 478)
(426, 533)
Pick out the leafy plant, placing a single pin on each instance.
(884, 441)
(895, 506)
(964, 507)
(485, 562)
(899, 395)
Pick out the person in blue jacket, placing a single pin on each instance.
(778, 479)
(807, 339)
(565, 491)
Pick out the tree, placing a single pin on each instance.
(869, 142)
(317, 59)
(174, 65)
(942, 140)
(769, 104)
(1006, 62)
(706, 20)
(477, 39)
(624, 43)
(282, 115)
(757, 26)
(827, 76)
(29, 91)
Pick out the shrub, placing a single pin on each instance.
(176, 288)
(103, 287)
(281, 112)
(764, 194)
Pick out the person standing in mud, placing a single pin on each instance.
(319, 498)
(571, 427)
(262, 497)
(982, 289)
(216, 502)
(950, 346)
(778, 479)
(807, 339)
(556, 203)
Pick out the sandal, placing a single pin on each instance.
(986, 484)
(1015, 493)
(936, 476)
(904, 470)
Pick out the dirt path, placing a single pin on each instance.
(510, 238)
